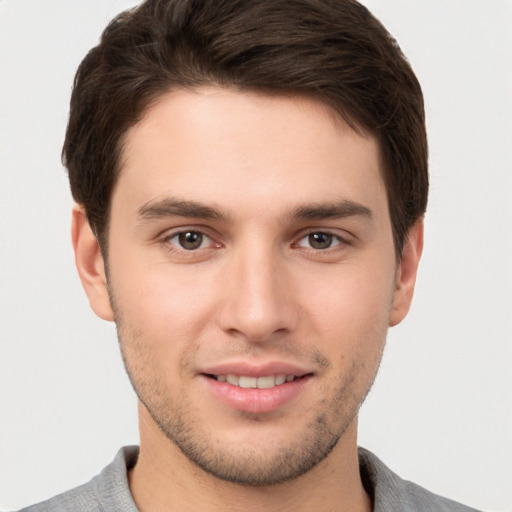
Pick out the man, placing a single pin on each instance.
(250, 180)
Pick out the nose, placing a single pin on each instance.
(258, 298)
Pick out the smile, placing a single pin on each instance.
(256, 391)
(248, 382)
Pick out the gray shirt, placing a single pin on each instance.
(109, 491)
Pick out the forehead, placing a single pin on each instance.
(223, 146)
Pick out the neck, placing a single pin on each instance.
(164, 479)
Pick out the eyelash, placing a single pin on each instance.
(174, 247)
(333, 240)
(340, 243)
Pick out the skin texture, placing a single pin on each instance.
(294, 267)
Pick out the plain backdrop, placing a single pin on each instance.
(441, 410)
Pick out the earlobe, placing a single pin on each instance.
(406, 274)
(90, 264)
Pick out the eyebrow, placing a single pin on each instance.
(337, 210)
(178, 208)
(170, 207)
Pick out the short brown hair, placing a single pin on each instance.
(331, 50)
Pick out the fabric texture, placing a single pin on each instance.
(109, 491)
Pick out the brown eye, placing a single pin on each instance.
(320, 240)
(190, 240)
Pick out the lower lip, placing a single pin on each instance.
(256, 401)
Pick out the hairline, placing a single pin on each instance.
(336, 114)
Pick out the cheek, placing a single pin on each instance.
(352, 304)
(169, 309)
(351, 319)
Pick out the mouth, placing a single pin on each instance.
(256, 390)
(250, 382)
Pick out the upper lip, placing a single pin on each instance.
(256, 370)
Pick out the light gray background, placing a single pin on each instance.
(441, 411)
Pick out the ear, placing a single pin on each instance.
(90, 264)
(406, 274)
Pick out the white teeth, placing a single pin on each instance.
(232, 379)
(280, 379)
(247, 382)
(266, 382)
(244, 381)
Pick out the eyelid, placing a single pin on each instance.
(336, 238)
(166, 237)
(343, 237)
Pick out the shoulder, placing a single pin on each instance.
(392, 493)
(108, 491)
(81, 498)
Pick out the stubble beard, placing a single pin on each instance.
(244, 465)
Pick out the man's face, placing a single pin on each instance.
(253, 277)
